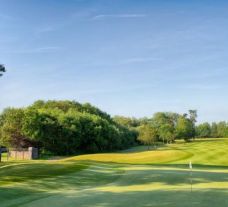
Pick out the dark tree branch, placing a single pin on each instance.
(2, 69)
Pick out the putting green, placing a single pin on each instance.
(135, 177)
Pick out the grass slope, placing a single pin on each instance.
(200, 152)
(134, 177)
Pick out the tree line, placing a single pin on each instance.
(215, 130)
(63, 128)
(165, 127)
(68, 127)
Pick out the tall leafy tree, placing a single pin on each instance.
(147, 135)
(193, 118)
(214, 130)
(11, 128)
(203, 130)
(222, 129)
(193, 115)
(165, 123)
(184, 128)
(166, 133)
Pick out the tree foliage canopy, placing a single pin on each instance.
(147, 134)
(63, 127)
(69, 127)
(219, 129)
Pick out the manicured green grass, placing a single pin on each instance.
(200, 152)
(134, 177)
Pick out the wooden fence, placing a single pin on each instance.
(21, 154)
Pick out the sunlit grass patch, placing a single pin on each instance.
(135, 177)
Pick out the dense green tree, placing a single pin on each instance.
(193, 118)
(165, 123)
(66, 105)
(166, 133)
(147, 134)
(184, 128)
(64, 127)
(126, 121)
(144, 121)
(203, 130)
(43, 128)
(193, 115)
(11, 121)
(214, 130)
(219, 129)
(222, 129)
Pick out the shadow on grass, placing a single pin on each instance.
(71, 184)
(172, 177)
(20, 172)
(91, 198)
(157, 198)
(15, 196)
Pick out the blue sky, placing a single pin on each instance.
(130, 58)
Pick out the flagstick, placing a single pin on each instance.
(191, 179)
(190, 167)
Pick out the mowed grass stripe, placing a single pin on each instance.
(209, 152)
(135, 177)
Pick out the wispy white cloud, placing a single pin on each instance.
(46, 49)
(67, 21)
(105, 16)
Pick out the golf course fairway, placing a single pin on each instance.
(135, 177)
